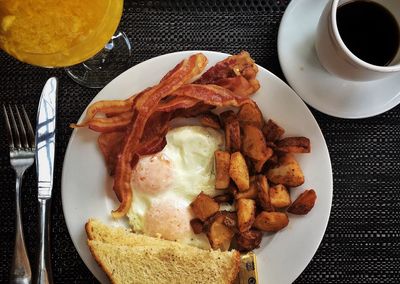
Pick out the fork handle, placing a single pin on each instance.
(44, 274)
(20, 267)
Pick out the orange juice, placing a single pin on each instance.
(57, 33)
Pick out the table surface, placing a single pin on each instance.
(362, 241)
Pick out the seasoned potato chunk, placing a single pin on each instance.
(246, 210)
(263, 193)
(272, 131)
(304, 203)
(254, 145)
(279, 196)
(294, 145)
(232, 131)
(271, 221)
(250, 114)
(197, 225)
(219, 234)
(222, 161)
(251, 193)
(210, 120)
(288, 172)
(249, 240)
(204, 206)
(224, 198)
(238, 171)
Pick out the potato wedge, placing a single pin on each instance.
(219, 235)
(254, 145)
(226, 116)
(204, 206)
(263, 193)
(279, 196)
(246, 210)
(251, 193)
(304, 203)
(238, 171)
(210, 120)
(294, 145)
(232, 136)
(250, 114)
(224, 198)
(197, 225)
(249, 240)
(272, 131)
(231, 126)
(271, 221)
(288, 172)
(222, 161)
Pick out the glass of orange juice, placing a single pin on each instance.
(67, 33)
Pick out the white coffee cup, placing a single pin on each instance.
(334, 55)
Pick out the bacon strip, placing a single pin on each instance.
(145, 105)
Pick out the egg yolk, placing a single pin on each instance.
(167, 218)
(153, 174)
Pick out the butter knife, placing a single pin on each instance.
(45, 148)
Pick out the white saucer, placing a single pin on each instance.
(318, 88)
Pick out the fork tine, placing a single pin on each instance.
(9, 132)
(30, 134)
(14, 127)
(22, 131)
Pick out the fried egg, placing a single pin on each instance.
(164, 184)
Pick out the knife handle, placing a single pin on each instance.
(44, 275)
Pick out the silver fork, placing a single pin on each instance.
(22, 155)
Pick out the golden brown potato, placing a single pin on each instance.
(304, 203)
(279, 196)
(254, 145)
(288, 172)
(224, 198)
(263, 193)
(231, 125)
(219, 235)
(210, 120)
(204, 206)
(249, 240)
(251, 193)
(222, 161)
(272, 131)
(238, 171)
(271, 221)
(250, 114)
(232, 136)
(246, 210)
(197, 225)
(226, 116)
(294, 145)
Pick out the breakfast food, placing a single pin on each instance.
(217, 182)
(127, 257)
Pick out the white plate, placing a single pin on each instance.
(86, 187)
(320, 89)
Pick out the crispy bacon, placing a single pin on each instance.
(146, 116)
(145, 105)
(230, 67)
(212, 95)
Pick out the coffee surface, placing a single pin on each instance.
(369, 31)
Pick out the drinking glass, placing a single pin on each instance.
(79, 35)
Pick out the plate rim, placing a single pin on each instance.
(329, 186)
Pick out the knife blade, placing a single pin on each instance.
(45, 138)
(45, 150)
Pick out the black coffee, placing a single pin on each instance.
(369, 30)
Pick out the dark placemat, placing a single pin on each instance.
(362, 241)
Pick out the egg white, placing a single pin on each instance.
(190, 150)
